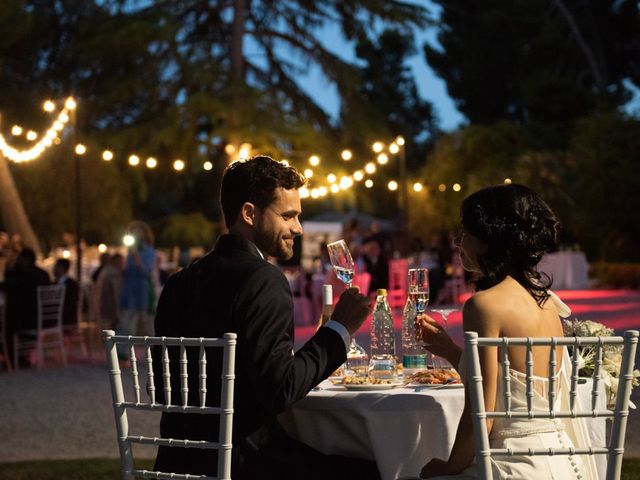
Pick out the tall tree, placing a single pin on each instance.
(547, 62)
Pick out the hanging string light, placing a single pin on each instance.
(46, 140)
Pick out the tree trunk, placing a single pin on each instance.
(236, 90)
(14, 217)
(598, 76)
(237, 71)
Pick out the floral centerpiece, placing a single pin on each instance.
(611, 356)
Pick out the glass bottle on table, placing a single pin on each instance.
(383, 350)
(357, 359)
(414, 357)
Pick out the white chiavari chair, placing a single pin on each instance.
(49, 330)
(149, 402)
(615, 447)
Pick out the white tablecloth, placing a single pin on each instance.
(569, 269)
(401, 429)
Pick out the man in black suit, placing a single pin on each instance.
(234, 289)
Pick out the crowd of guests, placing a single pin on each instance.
(121, 296)
(372, 248)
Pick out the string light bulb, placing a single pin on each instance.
(48, 106)
(308, 173)
(394, 148)
(400, 140)
(383, 158)
(80, 149)
(314, 160)
(107, 155)
(346, 182)
(377, 147)
(128, 240)
(442, 187)
(334, 188)
(134, 160)
(16, 130)
(208, 166)
(331, 178)
(370, 168)
(346, 155)
(229, 149)
(102, 248)
(358, 175)
(368, 183)
(151, 162)
(417, 187)
(507, 181)
(392, 185)
(31, 135)
(456, 187)
(70, 103)
(178, 165)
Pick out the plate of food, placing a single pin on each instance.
(367, 383)
(435, 377)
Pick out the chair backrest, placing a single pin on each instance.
(614, 449)
(139, 401)
(50, 306)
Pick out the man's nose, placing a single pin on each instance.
(297, 227)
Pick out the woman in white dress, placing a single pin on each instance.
(505, 232)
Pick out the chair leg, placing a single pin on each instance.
(39, 353)
(62, 349)
(15, 351)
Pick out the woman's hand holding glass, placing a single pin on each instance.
(435, 339)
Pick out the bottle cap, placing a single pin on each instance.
(382, 291)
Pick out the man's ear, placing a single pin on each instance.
(248, 213)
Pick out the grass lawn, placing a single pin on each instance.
(108, 469)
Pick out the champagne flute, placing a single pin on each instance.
(444, 313)
(344, 267)
(418, 288)
(418, 291)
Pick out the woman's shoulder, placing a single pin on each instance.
(497, 304)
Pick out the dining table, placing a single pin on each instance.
(400, 428)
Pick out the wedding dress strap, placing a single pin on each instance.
(563, 309)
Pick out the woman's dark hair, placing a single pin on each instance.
(518, 228)
(255, 180)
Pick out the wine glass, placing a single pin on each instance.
(344, 267)
(444, 313)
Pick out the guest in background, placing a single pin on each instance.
(109, 290)
(4, 244)
(103, 262)
(13, 251)
(4, 251)
(71, 294)
(376, 264)
(20, 285)
(137, 298)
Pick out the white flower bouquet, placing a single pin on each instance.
(611, 356)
